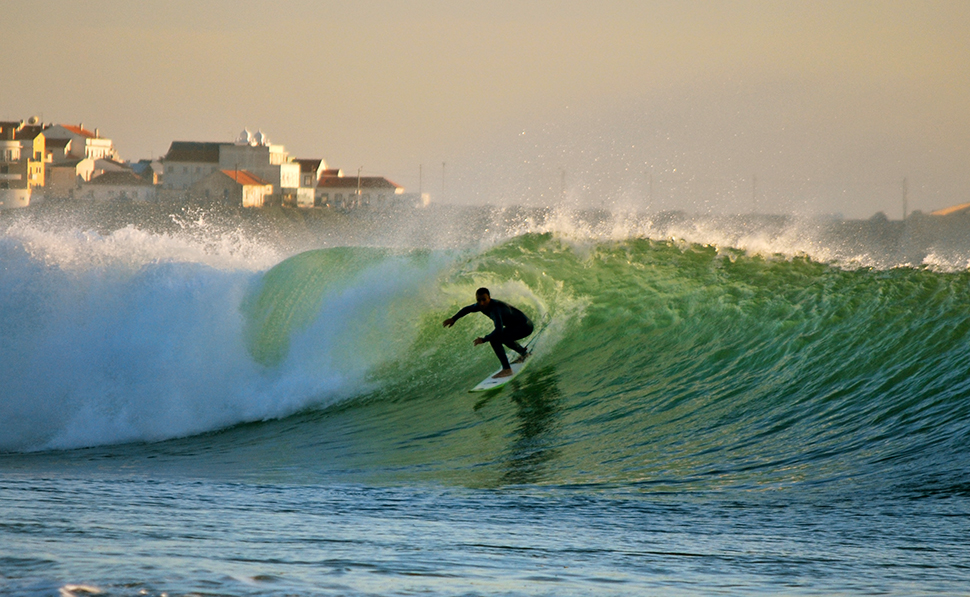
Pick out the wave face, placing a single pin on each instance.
(662, 364)
(670, 366)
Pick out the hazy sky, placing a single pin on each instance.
(807, 107)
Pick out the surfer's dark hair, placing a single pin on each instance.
(483, 291)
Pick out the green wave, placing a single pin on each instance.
(663, 365)
(290, 294)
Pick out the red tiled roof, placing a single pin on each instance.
(79, 131)
(245, 177)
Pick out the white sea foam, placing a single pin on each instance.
(920, 242)
(134, 336)
(73, 248)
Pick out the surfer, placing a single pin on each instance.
(510, 325)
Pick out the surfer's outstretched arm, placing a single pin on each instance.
(461, 313)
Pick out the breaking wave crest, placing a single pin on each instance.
(664, 360)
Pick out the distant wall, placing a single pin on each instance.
(14, 198)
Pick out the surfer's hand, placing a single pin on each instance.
(479, 341)
(448, 323)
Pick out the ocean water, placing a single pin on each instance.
(714, 407)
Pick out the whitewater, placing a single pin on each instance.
(215, 402)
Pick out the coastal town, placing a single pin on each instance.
(69, 162)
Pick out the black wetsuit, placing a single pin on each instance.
(510, 325)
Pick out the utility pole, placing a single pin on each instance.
(442, 181)
(562, 186)
(420, 180)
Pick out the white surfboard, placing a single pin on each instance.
(493, 383)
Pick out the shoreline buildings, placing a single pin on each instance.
(69, 162)
(23, 151)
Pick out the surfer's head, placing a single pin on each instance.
(482, 296)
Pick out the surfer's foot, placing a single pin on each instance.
(522, 358)
(502, 373)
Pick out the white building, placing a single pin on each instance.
(122, 185)
(65, 178)
(22, 155)
(59, 150)
(188, 162)
(14, 191)
(268, 162)
(233, 187)
(84, 143)
(310, 173)
(348, 192)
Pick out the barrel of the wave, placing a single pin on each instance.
(289, 296)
